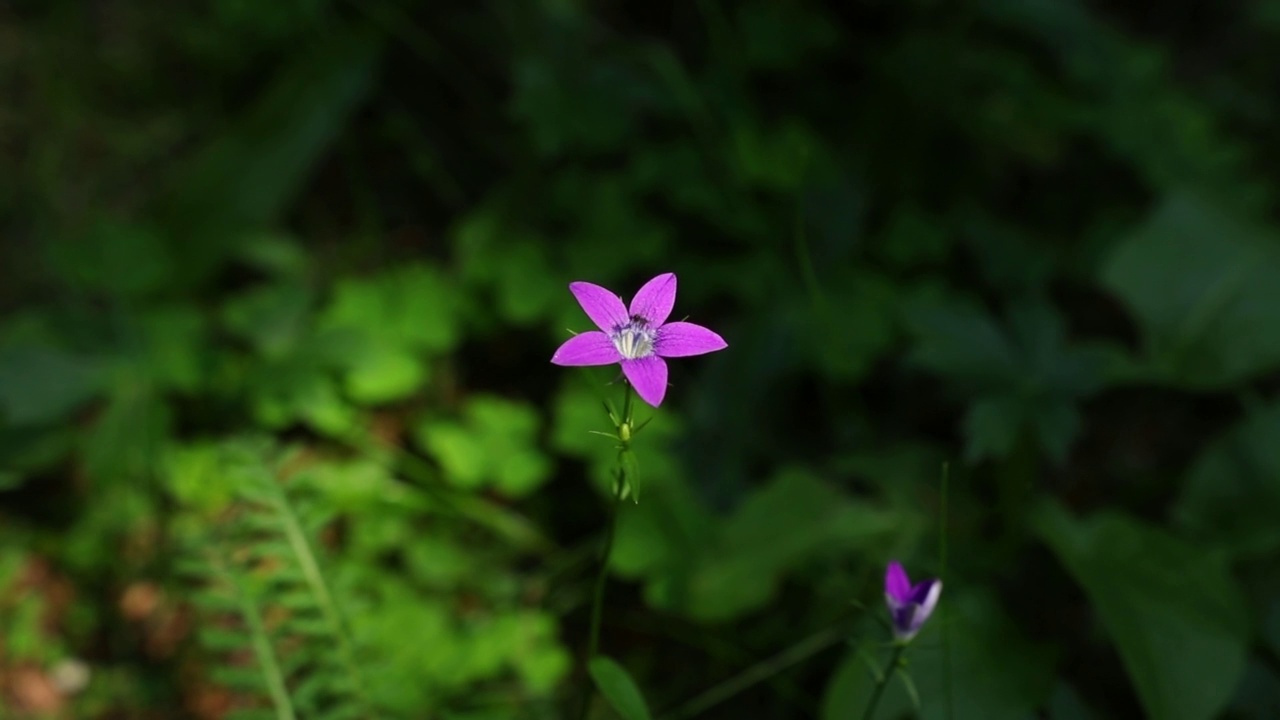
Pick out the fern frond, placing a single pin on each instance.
(264, 652)
(264, 597)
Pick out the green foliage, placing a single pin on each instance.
(1028, 382)
(782, 526)
(970, 662)
(1033, 236)
(618, 688)
(1200, 282)
(1175, 613)
(266, 592)
(1232, 491)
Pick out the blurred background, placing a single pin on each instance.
(280, 281)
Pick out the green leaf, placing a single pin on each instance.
(913, 238)
(1027, 378)
(1201, 284)
(957, 339)
(1232, 493)
(129, 435)
(458, 450)
(857, 327)
(618, 688)
(413, 307)
(1259, 695)
(775, 529)
(991, 427)
(114, 258)
(1066, 704)
(274, 318)
(384, 373)
(496, 444)
(41, 384)
(175, 350)
(1176, 615)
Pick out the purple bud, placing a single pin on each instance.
(909, 605)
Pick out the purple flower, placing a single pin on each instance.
(637, 337)
(909, 605)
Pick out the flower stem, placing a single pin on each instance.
(759, 672)
(602, 574)
(606, 550)
(942, 575)
(894, 663)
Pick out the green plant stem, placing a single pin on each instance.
(759, 672)
(883, 680)
(606, 550)
(942, 574)
(602, 574)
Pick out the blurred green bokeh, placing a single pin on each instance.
(280, 281)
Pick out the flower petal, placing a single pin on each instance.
(906, 621)
(682, 339)
(588, 348)
(654, 300)
(600, 304)
(896, 583)
(930, 600)
(648, 375)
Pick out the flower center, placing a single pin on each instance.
(633, 340)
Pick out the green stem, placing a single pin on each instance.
(883, 680)
(942, 574)
(759, 672)
(606, 550)
(597, 595)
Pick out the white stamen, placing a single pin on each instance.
(633, 340)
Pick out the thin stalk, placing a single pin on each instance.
(759, 672)
(883, 680)
(602, 574)
(942, 574)
(606, 550)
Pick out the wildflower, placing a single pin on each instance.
(909, 605)
(637, 338)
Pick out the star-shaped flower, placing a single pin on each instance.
(638, 337)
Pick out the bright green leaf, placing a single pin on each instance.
(413, 307)
(495, 444)
(383, 373)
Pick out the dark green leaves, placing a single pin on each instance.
(1202, 285)
(40, 384)
(1176, 615)
(1232, 492)
(969, 663)
(247, 176)
(1026, 376)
